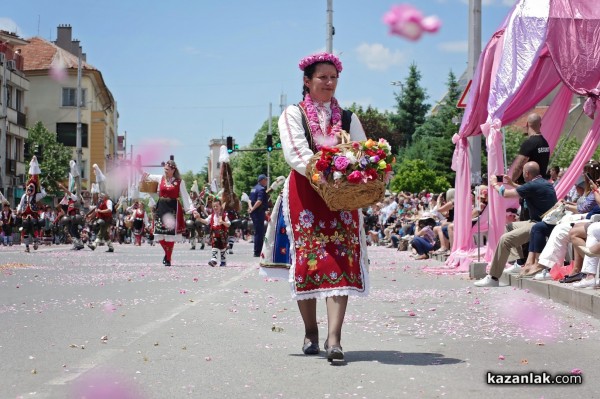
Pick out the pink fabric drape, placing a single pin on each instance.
(574, 28)
(583, 156)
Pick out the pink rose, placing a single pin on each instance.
(341, 163)
(355, 177)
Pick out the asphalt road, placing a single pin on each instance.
(120, 325)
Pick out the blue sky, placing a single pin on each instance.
(187, 71)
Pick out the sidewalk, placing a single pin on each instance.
(583, 300)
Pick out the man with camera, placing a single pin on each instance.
(539, 196)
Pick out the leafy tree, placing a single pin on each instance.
(411, 108)
(247, 165)
(433, 139)
(376, 125)
(55, 157)
(414, 175)
(201, 177)
(565, 152)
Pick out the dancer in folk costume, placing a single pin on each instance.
(104, 218)
(7, 221)
(70, 205)
(195, 227)
(219, 226)
(28, 208)
(168, 219)
(139, 219)
(324, 250)
(230, 201)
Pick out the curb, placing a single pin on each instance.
(583, 300)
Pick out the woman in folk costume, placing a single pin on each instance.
(28, 208)
(140, 220)
(168, 217)
(325, 251)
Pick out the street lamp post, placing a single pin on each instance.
(78, 134)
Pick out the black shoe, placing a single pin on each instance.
(334, 352)
(572, 278)
(164, 260)
(310, 348)
(110, 249)
(167, 263)
(256, 256)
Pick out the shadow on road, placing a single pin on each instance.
(396, 358)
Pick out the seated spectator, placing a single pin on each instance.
(424, 238)
(443, 231)
(539, 196)
(571, 228)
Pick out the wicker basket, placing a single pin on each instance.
(344, 196)
(148, 186)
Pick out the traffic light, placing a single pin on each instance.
(229, 144)
(269, 142)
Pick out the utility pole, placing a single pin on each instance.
(78, 134)
(3, 125)
(330, 28)
(474, 53)
(269, 133)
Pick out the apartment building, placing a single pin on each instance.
(52, 100)
(13, 131)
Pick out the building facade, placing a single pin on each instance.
(13, 131)
(51, 68)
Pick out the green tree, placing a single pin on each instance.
(376, 125)
(55, 157)
(411, 108)
(247, 165)
(432, 141)
(201, 177)
(414, 175)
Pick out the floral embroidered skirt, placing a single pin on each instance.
(324, 250)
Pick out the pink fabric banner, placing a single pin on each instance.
(573, 31)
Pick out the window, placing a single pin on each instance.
(69, 97)
(66, 133)
(19, 145)
(9, 96)
(19, 100)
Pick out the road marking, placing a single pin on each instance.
(100, 357)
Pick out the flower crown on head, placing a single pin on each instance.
(320, 57)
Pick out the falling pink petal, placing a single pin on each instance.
(576, 371)
(412, 314)
(407, 21)
(109, 307)
(169, 221)
(105, 385)
(501, 357)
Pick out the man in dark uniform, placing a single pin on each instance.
(259, 201)
(534, 149)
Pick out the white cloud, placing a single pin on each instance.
(461, 46)
(377, 57)
(9, 25)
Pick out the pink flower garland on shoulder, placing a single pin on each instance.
(321, 138)
(330, 137)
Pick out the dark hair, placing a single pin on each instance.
(309, 71)
(173, 165)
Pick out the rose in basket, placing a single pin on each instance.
(359, 163)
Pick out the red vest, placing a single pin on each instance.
(105, 216)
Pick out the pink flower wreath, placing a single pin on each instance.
(320, 57)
